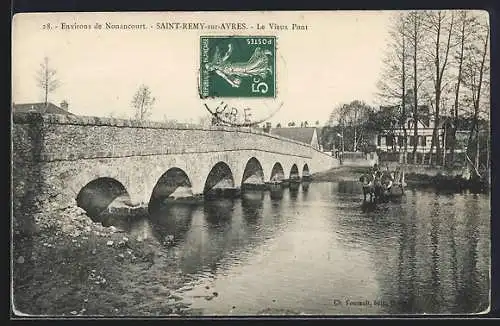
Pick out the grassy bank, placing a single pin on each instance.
(339, 174)
(74, 267)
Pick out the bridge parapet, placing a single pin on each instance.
(64, 137)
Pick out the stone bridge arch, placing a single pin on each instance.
(174, 182)
(306, 173)
(293, 172)
(73, 185)
(220, 177)
(277, 172)
(96, 196)
(253, 172)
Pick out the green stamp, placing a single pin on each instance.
(238, 66)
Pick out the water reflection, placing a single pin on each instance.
(252, 205)
(368, 206)
(425, 260)
(293, 190)
(471, 292)
(276, 192)
(349, 187)
(218, 212)
(426, 254)
(172, 222)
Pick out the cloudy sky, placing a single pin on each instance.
(336, 60)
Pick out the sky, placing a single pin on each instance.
(336, 60)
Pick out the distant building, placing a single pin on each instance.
(393, 140)
(307, 135)
(42, 108)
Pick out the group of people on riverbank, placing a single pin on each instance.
(378, 183)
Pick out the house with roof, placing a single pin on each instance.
(42, 108)
(306, 135)
(392, 140)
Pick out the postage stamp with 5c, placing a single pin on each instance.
(238, 66)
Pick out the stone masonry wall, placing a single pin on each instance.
(48, 148)
(72, 137)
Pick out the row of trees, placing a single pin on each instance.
(351, 126)
(440, 59)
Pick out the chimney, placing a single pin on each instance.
(267, 127)
(64, 105)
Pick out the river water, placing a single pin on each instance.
(319, 250)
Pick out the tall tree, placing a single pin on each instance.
(46, 79)
(416, 36)
(142, 103)
(460, 38)
(476, 69)
(440, 26)
(393, 82)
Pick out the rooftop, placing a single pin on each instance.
(39, 107)
(301, 134)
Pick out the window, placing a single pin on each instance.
(378, 140)
(412, 140)
(390, 140)
(400, 141)
(422, 141)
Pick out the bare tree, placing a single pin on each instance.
(392, 85)
(440, 27)
(461, 37)
(475, 71)
(332, 118)
(143, 103)
(205, 120)
(46, 79)
(416, 37)
(354, 115)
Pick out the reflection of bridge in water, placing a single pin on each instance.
(219, 231)
(64, 161)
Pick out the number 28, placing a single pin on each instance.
(259, 86)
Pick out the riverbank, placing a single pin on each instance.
(413, 179)
(75, 267)
(341, 173)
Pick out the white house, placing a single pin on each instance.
(393, 140)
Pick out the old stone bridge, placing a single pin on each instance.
(61, 161)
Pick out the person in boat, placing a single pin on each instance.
(387, 180)
(378, 184)
(370, 182)
(397, 175)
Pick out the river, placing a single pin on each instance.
(319, 250)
